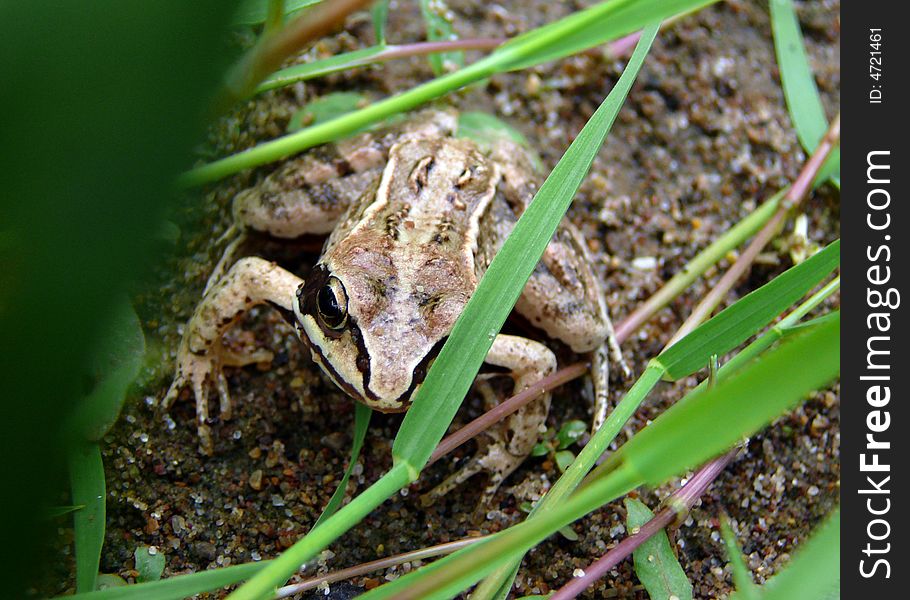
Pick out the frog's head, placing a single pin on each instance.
(397, 273)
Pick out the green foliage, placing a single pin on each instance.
(655, 564)
(326, 108)
(176, 588)
(98, 116)
(380, 14)
(800, 91)
(114, 365)
(318, 68)
(484, 129)
(254, 12)
(89, 491)
(437, 17)
(149, 563)
(736, 406)
(563, 459)
(569, 433)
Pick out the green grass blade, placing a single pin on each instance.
(591, 27)
(362, 414)
(380, 15)
(115, 364)
(737, 323)
(655, 564)
(436, 16)
(88, 489)
(176, 588)
(254, 12)
(800, 91)
(447, 382)
(735, 407)
(318, 68)
(611, 19)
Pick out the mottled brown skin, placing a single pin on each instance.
(407, 263)
(409, 243)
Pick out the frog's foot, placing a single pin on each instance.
(504, 446)
(200, 372)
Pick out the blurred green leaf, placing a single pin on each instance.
(254, 12)
(438, 18)
(318, 68)
(88, 490)
(100, 107)
(485, 129)
(570, 432)
(800, 91)
(149, 563)
(175, 588)
(380, 14)
(655, 564)
(568, 533)
(564, 458)
(326, 108)
(540, 449)
(115, 363)
(108, 580)
(737, 323)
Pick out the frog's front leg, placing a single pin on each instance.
(506, 445)
(201, 356)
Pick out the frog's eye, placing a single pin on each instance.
(332, 304)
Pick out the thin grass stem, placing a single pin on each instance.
(376, 565)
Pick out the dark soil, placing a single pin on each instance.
(704, 137)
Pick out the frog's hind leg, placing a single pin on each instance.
(506, 445)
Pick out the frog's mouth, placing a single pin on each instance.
(368, 397)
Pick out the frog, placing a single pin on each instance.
(414, 215)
